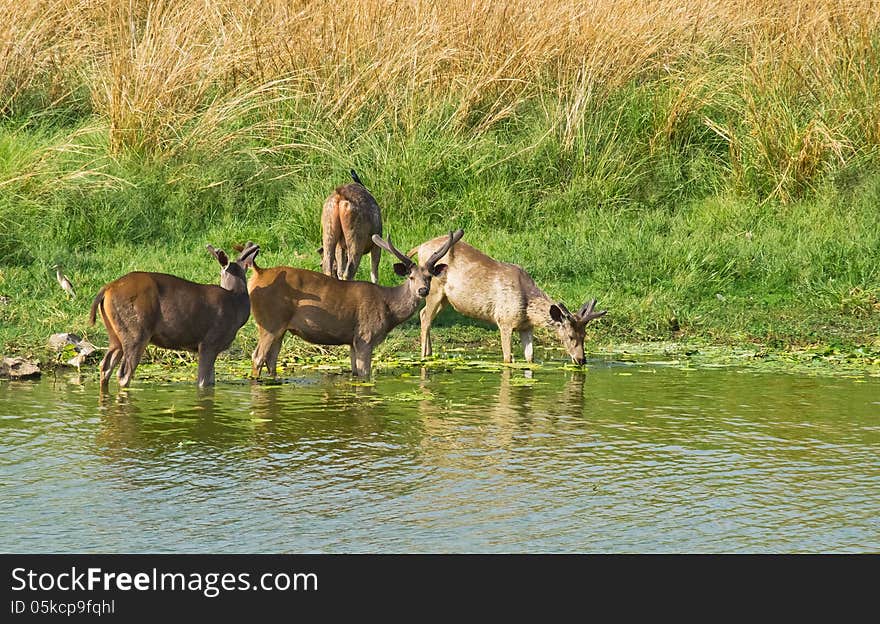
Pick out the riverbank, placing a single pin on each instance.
(711, 177)
(471, 347)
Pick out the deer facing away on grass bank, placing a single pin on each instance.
(349, 219)
(327, 311)
(173, 313)
(480, 287)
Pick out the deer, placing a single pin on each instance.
(173, 313)
(323, 310)
(480, 287)
(349, 219)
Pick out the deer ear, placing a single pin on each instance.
(401, 269)
(439, 269)
(556, 313)
(219, 254)
(247, 256)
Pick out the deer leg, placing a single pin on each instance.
(361, 358)
(131, 357)
(365, 362)
(355, 249)
(433, 305)
(375, 256)
(207, 357)
(263, 353)
(506, 349)
(111, 359)
(528, 344)
(272, 356)
(114, 350)
(354, 261)
(341, 262)
(328, 259)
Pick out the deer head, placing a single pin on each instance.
(571, 328)
(233, 275)
(419, 276)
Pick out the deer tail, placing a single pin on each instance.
(99, 298)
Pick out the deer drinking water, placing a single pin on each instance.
(173, 313)
(349, 220)
(327, 311)
(480, 287)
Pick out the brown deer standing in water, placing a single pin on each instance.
(173, 313)
(327, 311)
(349, 220)
(480, 287)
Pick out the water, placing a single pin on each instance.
(617, 459)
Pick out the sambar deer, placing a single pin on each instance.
(327, 311)
(349, 219)
(480, 287)
(173, 313)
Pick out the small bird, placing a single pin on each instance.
(64, 282)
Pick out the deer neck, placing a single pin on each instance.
(236, 288)
(237, 296)
(401, 303)
(538, 307)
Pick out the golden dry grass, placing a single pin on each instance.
(798, 75)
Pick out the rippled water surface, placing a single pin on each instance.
(617, 459)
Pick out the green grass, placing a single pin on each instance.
(676, 234)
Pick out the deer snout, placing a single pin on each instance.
(424, 290)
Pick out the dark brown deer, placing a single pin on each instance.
(327, 311)
(350, 218)
(480, 287)
(173, 313)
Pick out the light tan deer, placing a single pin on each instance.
(327, 311)
(480, 287)
(350, 218)
(173, 313)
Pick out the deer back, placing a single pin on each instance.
(479, 286)
(316, 307)
(177, 313)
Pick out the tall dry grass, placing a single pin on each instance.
(614, 133)
(789, 85)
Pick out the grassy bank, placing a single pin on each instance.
(708, 171)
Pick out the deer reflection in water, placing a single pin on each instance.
(523, 408)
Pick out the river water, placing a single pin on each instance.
(641, 458)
